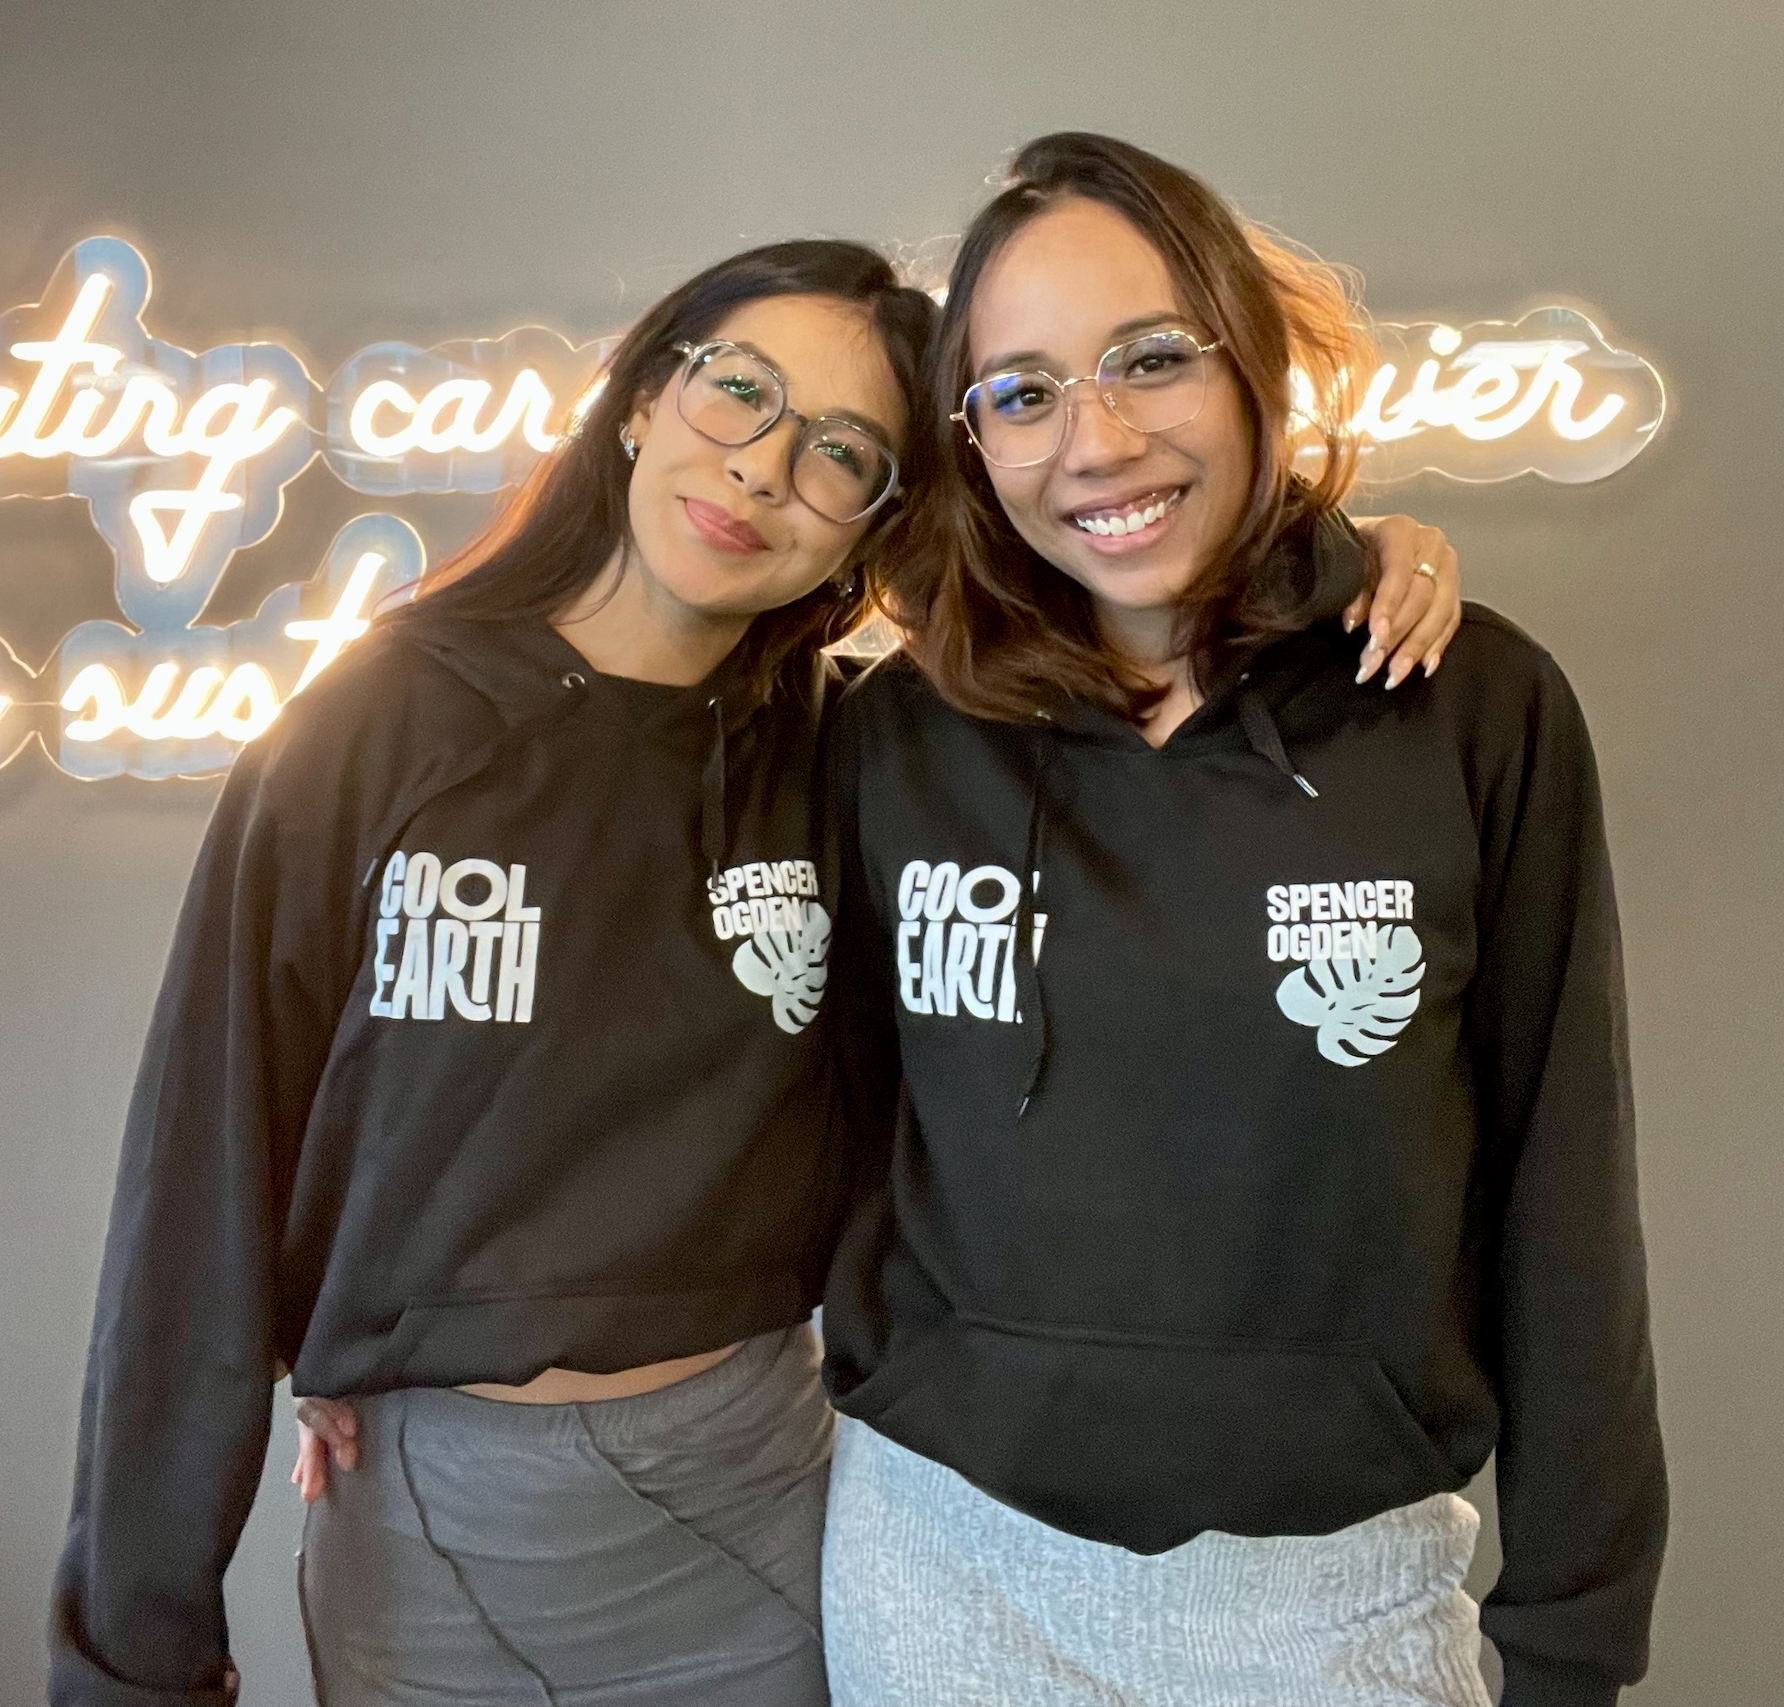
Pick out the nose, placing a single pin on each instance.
(1098, 439)
(760, 467)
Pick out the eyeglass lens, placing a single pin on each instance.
(1151, 383)
(731, 397)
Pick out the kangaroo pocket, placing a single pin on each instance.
(509, 1336)
(1146, 1442)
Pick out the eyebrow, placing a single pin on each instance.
(854, 417)
(1118, 335)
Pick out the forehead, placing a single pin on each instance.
(1064, 281)
(829, 352)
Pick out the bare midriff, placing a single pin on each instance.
(573, 1387)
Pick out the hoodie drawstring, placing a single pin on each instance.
(1031, 1004)
(712, 791)
(1266, 740)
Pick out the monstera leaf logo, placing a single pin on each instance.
(1359, 1006)
(788, 968)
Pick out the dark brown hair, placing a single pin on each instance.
(997, 628)
(564, 523)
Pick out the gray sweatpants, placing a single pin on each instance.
(644, 1552)
(937, 1595)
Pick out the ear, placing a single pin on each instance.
(638, 423)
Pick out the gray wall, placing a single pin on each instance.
(338, 173)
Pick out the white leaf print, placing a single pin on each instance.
(788, 967)
(1359, 1006)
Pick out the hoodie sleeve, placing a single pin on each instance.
(869, 1072)
(176, 1405)
(1582, 1483)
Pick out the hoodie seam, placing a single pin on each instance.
(1018, 1327)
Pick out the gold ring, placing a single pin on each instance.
(1427, 571)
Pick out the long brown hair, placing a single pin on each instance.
(997, 628)
(563, 524)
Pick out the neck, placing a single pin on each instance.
(1143, 638)
(625, 624)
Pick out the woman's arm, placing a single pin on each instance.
(1413, 613)
(1582, 1482)
(176, 1406)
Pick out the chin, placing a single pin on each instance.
(1134, 589)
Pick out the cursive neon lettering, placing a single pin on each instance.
(342, 625)
(56, 359)
(1489, 400)
(226, 425)
(445, 418)
(237, 707)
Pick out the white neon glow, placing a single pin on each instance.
(589, 398)
(237, 707)
(1472, 405)
(226, 426)
(445, 418)
(342, 625)
(56, 359)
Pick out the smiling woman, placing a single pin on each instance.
(1246, 1047)
(1157, 476)
(543, 858)
(696, 502)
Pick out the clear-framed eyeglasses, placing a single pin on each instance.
(1152, 383)
(733, 397)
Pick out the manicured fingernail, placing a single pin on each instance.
(1431, 667)
(1350, 623)
(1394, 677)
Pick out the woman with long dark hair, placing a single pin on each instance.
(491, 1081)
(1263, 1155)
(484, 1084)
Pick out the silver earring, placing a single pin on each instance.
(628, 444)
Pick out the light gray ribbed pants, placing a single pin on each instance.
(656, 1551)
(937, 1595)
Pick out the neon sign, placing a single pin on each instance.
(471, 416)
(183, 460)
(1546, 395)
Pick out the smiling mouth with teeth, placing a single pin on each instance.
(1131, 518)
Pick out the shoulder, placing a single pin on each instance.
(1508, 703)
(1493, 665)
(893, 704)
(384, 686)
(893, 686)
(385, 710)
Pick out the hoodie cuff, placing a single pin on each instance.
(1534, 1682)
(76, 1681)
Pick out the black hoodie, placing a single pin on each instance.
(488, 1042)
(1268, 1160)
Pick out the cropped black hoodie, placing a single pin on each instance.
(1264, 1155)
(490, 1040)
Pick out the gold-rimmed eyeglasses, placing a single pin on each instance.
(1022, 418)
